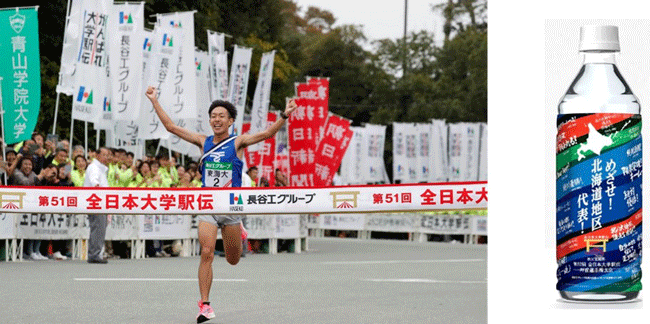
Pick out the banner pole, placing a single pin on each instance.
(158, 148)
(2, 136)
(85, 136)
(97, 140)
(71, 129)
(58, 94)
(56, 109)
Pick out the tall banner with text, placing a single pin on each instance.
(161, 66)
(126, 38)
(90, 96)
(183, 70)
(238, 85)
(20, 72)
(331, 149)
(262, 97)
(218, 68)
(71, 37)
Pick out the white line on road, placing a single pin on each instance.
(416, 280)
(403, 261)
(154, 279)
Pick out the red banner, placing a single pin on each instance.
(331, 149)
(305, 129)
(264, 158)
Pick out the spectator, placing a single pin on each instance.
(9, 166)
(280, 179)
(64, 176)
(91, 155)
(49, 176)
(186, 181)
(79, 171)
(78, 150)
(25, 176)
(96, 177)
(166, 171)
(264, 182)
(145, 177)
(252, 173)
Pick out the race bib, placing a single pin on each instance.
(218, 174)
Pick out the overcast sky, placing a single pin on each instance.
(383, 19)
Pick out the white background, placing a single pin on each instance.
(522, 104)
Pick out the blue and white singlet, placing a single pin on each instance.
(221, 167)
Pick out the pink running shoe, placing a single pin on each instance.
(244, 233)
(205, 313)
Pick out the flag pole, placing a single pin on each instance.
(2, 131)
(58, 94)
(85, 136)
(71, 129)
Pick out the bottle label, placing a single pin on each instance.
(598, 225)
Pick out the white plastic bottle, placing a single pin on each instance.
(598, 170)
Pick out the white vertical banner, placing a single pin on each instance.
(202, 92)
(423, 152)
(126, 37)
(357, 158)
(464, 151)
(147, 44)
(241, 63)
(438, 163)
(473, 150)
(90, 95)
(218, 72)
(374, 138)
(399, 152)
(411, 147)
(216, 42)
(161, 68)
(176, 143)
(71, 37)
(220, 77)
(183, 73)
(202, 63)
(262, 98)
(482, 174)
(457, 140)
(125, 136)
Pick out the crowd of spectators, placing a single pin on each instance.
(41, 162)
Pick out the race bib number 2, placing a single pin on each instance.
(218, 174)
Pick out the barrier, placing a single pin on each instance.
(418, 225)
(139, 214)
(244, 201)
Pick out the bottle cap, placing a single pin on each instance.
(599, 38)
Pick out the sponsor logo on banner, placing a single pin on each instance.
(107, 105)
(17, 22)
(176, 24)
(236, 202)
(168, 40)
(147, 45)
(85, 96)
(125, 18)
(344, 199)
(12, 200)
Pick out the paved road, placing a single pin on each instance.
(336, 281)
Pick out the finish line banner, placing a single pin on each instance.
(353, 199)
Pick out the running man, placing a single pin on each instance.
(228, 151)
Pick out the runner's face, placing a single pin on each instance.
(220, 120)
